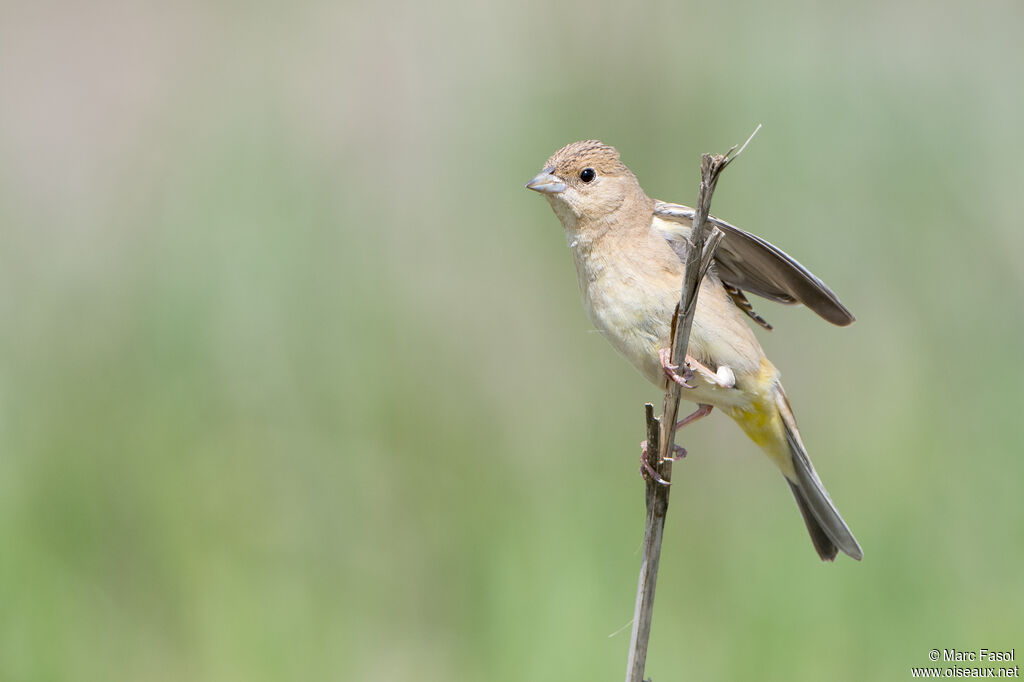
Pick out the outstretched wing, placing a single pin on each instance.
(749, 263)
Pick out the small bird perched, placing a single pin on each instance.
(629, 251)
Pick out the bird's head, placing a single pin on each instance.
(585, 182)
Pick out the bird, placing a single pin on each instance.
(629, 251)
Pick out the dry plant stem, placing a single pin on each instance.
(661, 435)
(657, 508)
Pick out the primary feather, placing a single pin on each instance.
(755, 265)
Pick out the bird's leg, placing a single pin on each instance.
(678, 452)
(665, 356)
(701, 412)
(724, 377)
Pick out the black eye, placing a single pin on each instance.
(588, 175)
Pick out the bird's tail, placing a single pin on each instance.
(780, 437)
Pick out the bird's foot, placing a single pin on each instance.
(723, 378)
(665, 356)
(678, 452)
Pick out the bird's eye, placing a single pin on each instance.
(588, 174)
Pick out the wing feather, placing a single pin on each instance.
(752, 264)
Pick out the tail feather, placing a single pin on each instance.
(828, 530)
(827, 549)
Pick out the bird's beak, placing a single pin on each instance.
(546, 182)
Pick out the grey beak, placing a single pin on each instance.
(546, 182)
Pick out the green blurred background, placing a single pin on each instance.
(295, 383)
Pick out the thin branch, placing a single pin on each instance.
(654, 528)
(732, 157)
(661, 433)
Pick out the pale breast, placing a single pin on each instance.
(630, 292)
(630, 302)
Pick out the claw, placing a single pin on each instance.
(647, 470)
(678, 452)
(665, 355)
(723, 378)
(650, 472)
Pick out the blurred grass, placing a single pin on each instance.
(292, 362)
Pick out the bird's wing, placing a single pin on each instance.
(749, 263)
